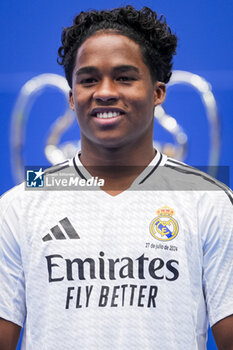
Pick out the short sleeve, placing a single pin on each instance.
(216, 229)
(12, 286)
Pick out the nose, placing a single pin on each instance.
(106, 90)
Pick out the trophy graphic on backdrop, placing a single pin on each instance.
(57, 152)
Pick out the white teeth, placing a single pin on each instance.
(107, 115)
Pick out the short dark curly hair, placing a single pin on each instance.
(152, 34)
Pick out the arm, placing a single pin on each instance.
(9, 335)
(223, 333)
(12, 287)
(217, 234)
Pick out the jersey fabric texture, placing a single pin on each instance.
(149, 268)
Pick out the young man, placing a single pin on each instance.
(146, 261)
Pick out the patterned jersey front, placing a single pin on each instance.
(149, 268)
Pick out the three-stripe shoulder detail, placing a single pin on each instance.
(186, 169)
(57, 167)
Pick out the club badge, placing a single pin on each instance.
(164, 227)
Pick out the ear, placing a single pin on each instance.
(71, 100)
(159, 93)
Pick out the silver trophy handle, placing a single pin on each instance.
(204, 89)
(28, 93)
(169, 123)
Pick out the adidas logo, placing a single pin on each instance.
(58, 233)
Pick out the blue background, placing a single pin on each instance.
(30, 36)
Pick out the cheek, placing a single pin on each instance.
(143, 99)
(80, 99)
(143, 93)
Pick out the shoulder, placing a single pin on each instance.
(59, 167)
(10, 196)
(188, 178)
(22, 193)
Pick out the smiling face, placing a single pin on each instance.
(112, 92)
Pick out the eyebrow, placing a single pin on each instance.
(117, 69)
(126, 68)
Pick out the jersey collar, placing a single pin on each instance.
(158, 160)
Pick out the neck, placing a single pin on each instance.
(119, 167)
(113, 158)
(100, 156)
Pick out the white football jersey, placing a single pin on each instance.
(149, 268)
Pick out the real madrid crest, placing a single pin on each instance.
(164, 227)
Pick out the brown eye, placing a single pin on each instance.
(88, 81)
(125, 78)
